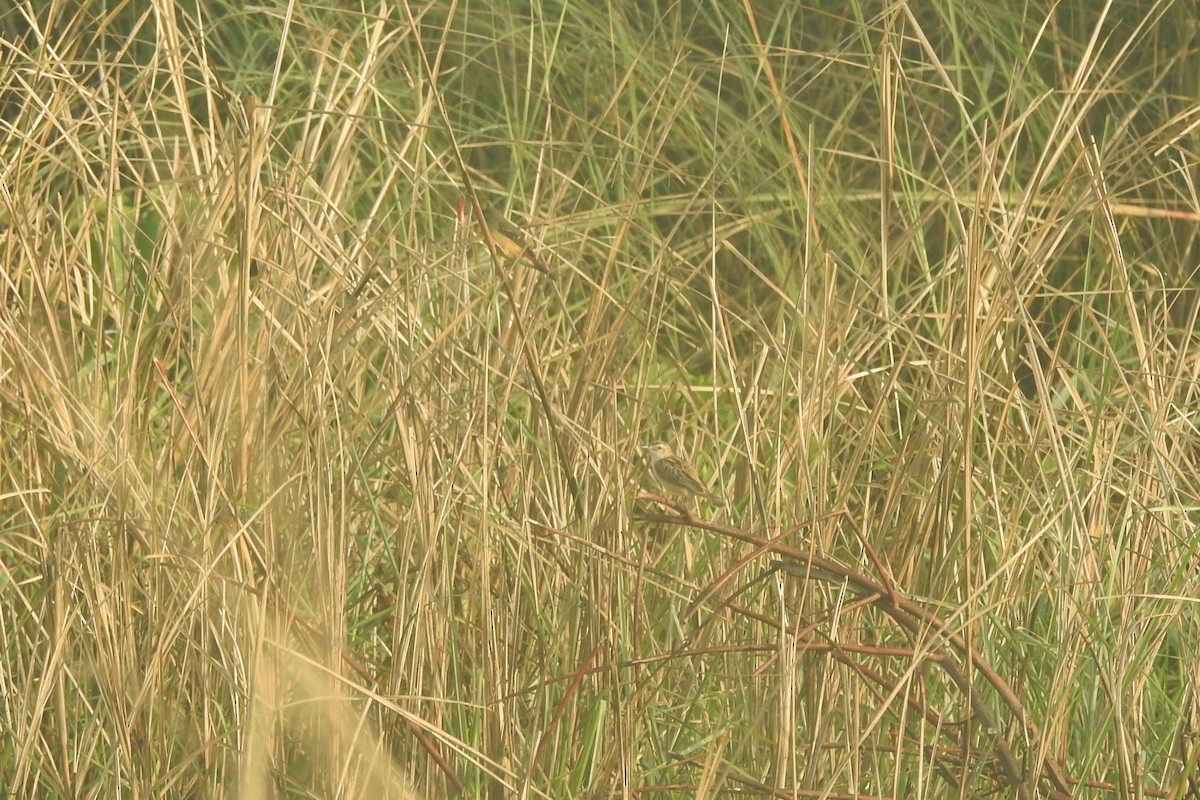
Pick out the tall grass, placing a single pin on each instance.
(307, 493)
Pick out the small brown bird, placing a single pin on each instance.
(509, 239)
(676, 475)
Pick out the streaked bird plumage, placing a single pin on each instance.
(676, 475)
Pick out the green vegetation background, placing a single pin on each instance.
(306, 494)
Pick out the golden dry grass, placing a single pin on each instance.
(307, 493)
